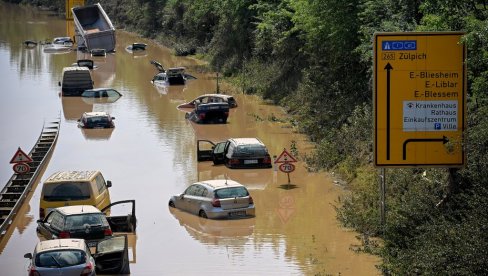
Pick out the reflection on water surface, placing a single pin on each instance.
(151, 155)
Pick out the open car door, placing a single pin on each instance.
(219, 153)
(122, 223)
(112, 256)
(158, 66)
(205, 150)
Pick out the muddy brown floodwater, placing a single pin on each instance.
(151, 155)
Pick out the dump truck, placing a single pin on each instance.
(93, 28)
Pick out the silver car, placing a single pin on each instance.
(220, 198)
(73, 257)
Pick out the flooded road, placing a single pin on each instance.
(151, 155)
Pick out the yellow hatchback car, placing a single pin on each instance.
(74, 188)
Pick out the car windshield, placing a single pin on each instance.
(231, 192)
(60, 258)
(66, 191)
(251, 150)
(116, 243)
(83, 221)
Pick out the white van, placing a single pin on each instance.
(75, 81)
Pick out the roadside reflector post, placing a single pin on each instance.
(382, 197)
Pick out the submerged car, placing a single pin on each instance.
(88, 63)
(220, 198)
(96, 120)
(101, 93)
(63, 40)
(99, 52)
(137, 47)
(210, 98)
(171, 76)
(73, 257)
(235, 153)
(209, 113)
(85, 222)
(59, 45)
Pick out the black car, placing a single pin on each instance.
(85, 222)
(235, 153)
(210, 113)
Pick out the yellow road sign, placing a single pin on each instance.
(419, 99)
(69, 4)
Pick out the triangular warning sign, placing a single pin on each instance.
(285, 157)
(20, 157)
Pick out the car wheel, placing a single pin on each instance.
(171, 204)
(202, 214)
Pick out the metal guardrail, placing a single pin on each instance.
(12, 196)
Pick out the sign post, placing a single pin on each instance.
(285, 160)
(419, 99)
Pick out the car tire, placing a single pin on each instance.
(202, 214)
(171, 204)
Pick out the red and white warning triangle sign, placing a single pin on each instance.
(285, 157)
(20, 157)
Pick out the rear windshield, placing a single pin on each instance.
(97, 120)
(61, 258)
(82, 221)
(66, 191)
(231, 192)
(251, 149)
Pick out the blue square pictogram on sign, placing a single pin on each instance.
(399, 45)
(437, 126)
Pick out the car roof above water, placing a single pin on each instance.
(96, 114)
(71, 176)
(49, 245)
(221, 183)
(216, 95)
(76, 68)
(98, 89)
(246, 141)
(78, 209)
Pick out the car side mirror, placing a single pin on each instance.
(28, 255)
(113, 118)
(182, 196)
(109, 183)
(59, 83)
(39, 221)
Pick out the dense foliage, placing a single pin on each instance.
(315, 58)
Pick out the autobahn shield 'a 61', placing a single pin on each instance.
(287, 167)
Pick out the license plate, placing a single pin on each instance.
(237, 214)
(253, 161)
(92, 243)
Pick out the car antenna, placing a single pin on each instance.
(225, 175)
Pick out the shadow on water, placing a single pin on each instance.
(288, 186)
